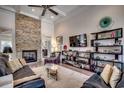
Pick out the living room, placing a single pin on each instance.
(61, 46)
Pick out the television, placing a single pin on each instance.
(78, 40)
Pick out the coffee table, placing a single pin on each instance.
(52, 71)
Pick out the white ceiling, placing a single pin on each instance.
(24, 9)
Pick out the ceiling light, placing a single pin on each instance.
(33, 9)
(52, 17)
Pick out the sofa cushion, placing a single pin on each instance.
(106, 73)
(121, 82)
(115, 77)
(2, 71)
(23, 72)
(6, 81)
(95, 81)
(2, 68)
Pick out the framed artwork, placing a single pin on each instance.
(59, 40)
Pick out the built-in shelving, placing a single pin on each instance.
(115, 34)
(79, 60)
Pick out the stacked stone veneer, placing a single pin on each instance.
(28, 35)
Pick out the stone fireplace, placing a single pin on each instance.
(28, 38)
(29, 55)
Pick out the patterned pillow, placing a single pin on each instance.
(14, 65)
(116, 76)
(106, 73)
(23, 62)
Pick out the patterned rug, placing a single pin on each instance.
(67, 78)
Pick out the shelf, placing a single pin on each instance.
(109, 46)
(106, 31)
(84, 52)
(105, 38)
(83, 57)
(108, 53)
(100, 66)
(108, 61)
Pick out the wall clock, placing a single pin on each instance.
(105, 22)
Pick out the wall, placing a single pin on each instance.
(7, 21)
(47, 34)
(28, 35)
(86, 21)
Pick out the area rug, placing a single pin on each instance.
(67, 78)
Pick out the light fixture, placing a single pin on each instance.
(33, 9)
(52, 17)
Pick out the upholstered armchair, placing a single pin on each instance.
(53, 59)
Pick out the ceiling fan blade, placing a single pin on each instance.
(54, 12)
(34, 5)
(44, 10)
(59, 11)
(51, 5)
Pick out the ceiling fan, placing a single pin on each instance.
(45, 8)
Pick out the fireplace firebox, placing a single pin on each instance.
(29, 55)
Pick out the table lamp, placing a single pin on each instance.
(7, 50)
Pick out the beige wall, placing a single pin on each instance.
(87, 20)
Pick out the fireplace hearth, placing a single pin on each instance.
(29, 55)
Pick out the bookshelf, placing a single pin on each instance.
(102, 48)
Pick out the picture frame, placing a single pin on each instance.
(59, 40)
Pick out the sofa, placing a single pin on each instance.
(96, 81)
(26, 72)
(23, 72)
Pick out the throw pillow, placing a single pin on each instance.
(18, 64)
(106, 73)
(116, 76)
(14, 65)
(23, 62)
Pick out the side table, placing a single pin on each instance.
(52, 71)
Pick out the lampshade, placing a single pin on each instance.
(7, 49)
